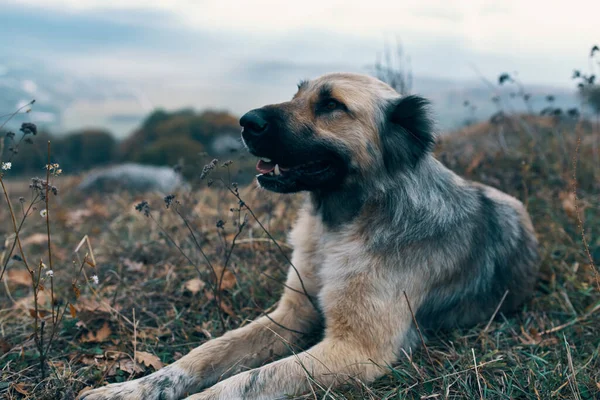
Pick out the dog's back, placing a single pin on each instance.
(498, 267)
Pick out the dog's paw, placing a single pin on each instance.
(132, 390)
(208, 394)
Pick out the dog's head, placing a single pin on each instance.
(337, 128)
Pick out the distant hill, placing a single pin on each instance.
(65, 103)
(185, 138)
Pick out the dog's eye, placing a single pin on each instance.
(331, 105)
(327, 106)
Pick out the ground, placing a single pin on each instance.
(156, 299)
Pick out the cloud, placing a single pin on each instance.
(129, 56)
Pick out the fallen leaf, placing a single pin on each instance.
(128, 366)
(153, 333)
(19, 276)
(194, 285)
(90, 360)
(36, 238)
(28, 302)
(72, 310)
(149, 360)
(227, 309)
(535, 338)
(20, 387)
(134, 266)
(100, 336)
(568, 203)
(223, 306)
(4, 346)
(227, 278)
(81, 324)
(93, 306)
(41, 313)
(76, 290)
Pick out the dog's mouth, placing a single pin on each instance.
(272, 169)
(281, 177)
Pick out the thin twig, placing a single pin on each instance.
(48, 231)
(572, 377)
(495, 312)
(134, 339)
(14, 244)
(10, 116)
(245, 205)
(197, 243)
(477, 374)
(418, 329)
(577, 211)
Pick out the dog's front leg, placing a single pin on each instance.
(243, 348)
(367, 319)
(329, 363)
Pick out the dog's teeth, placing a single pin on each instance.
(277, 171)
(267, 160)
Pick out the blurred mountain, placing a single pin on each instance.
(457, 103)
(65, 102)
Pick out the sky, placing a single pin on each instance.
(104, 62)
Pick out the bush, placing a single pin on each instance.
(86, 149)
(169, 151)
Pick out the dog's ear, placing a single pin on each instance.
(408, 133)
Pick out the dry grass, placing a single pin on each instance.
(153, 305)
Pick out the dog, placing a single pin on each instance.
(384, 227)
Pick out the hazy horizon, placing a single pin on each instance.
(99, 63)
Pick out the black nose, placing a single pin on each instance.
(253, 123)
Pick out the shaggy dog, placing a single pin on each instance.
(383, 222)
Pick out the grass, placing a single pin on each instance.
(153, 304)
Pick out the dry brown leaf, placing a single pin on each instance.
(72, 310)
(227, 309)
(4, 346)
(134, 266)
(92, 305)
(19, 276)
(81, 324)
(226, 278)
(40, 313)
(36, 238)
(223, 306)
(128, 366)
(76, 291)
(98, 337)
(153, 333)
(535, 338)
(28, 302)
(20, 387)
(88, 360)
(149, 360)
(194, 285)
(568, 203)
